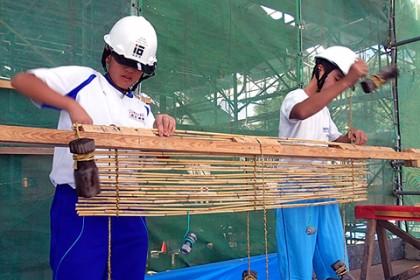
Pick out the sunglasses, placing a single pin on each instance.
(147, 69)
(127, 62)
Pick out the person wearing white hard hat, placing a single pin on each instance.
(79, 245)
(311, 239)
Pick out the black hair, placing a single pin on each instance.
(328, 67)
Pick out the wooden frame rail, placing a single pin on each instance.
(190, 141)
(5, 84)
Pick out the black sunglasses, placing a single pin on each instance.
(125, 61)
(147, 69)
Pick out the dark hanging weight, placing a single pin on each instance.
(85, 172)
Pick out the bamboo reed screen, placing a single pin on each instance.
(201, 172)
(164, 183)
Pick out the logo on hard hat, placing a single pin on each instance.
(138, 50)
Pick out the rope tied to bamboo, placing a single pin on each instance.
(117, 183)
(264, 211)
(109, 248)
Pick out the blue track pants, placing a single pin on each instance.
(79, 245)
(300, 253)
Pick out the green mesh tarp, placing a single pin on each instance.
(223, 66)
(407, 31)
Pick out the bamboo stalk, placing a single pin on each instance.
(177, 212)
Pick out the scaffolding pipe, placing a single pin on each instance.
(407, 192)
(299, 27)
(403, 42)
(394, 90)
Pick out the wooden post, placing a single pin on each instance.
(368, 249)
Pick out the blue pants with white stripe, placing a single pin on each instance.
(300, 253)
(79, 245)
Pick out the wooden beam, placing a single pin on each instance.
(26, 151)
(5, 84)
(145, 140)
(384, 251)
(368, 249)
(413, 163)
(415, 242)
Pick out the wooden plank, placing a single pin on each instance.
(54, 137)
(414, 163)
(415, 242)
(118, 130)
(408, 274)
(26, 151)
(388, 215)
(384, 251)
(35, 136)
(345, 146)
(5, 84)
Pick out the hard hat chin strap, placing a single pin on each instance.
(105, 53)
(320, 81)
(135, 85)
(143, 77)
(327, 66)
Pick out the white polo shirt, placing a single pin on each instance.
(105, 104)
(317, 127)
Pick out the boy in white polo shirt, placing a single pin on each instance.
(79, 245)
(312, 238)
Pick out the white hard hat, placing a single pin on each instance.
(134, 38)
(340, 56)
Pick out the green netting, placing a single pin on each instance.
(223, 66)
(407, 26)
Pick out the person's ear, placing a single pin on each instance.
(321, 69)
(108, 59)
